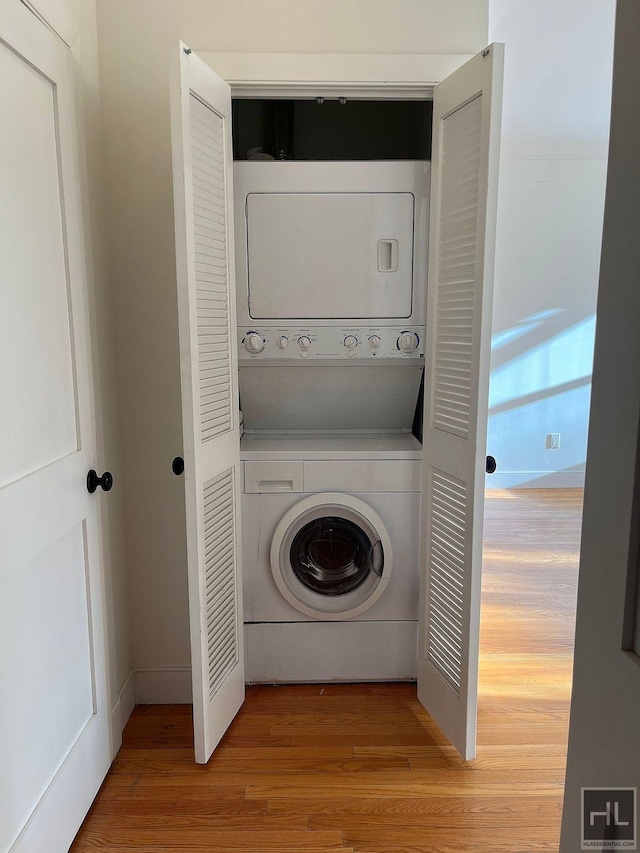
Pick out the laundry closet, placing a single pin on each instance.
(334, 266)
(330, 280)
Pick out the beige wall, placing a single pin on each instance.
(75, 21)
(557, 95)
(135, 40)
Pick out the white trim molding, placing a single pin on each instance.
(55, 16)
(121, 711)
(333, 75)
(148, 686)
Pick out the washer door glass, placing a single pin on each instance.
(334, 556)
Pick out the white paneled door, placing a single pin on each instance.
(54, 736)
(466, 135)
(202, 172)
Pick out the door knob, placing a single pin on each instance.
(491, 465)
(93, 481)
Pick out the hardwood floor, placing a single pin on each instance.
(361, 767)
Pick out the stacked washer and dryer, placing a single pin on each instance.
(331, 283)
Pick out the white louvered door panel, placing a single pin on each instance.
(456, 269)
(466, 135)
(220, 579)
(446, 597)
(210, 252)
(202, 166)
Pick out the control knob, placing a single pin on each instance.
(351, 342)
(283, 342)
(375, 341)
(408, 342)
(304, 342)
(253, 343)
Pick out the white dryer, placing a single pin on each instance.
(330, 563)
(331, 244)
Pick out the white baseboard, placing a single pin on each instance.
(536, 480)
(121, 711)
(163, 685)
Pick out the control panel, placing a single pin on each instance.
(331, 343)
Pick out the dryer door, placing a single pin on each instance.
(331, 556)
(325, 255)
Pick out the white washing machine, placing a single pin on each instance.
(330, 556)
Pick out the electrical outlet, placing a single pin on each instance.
(553, 441)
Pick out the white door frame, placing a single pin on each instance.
(383, 76)
(390, 77)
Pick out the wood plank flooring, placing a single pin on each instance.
(362, 767)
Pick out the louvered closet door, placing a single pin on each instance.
(466, 130)
(202, 166)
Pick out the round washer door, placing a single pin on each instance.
(331, 556)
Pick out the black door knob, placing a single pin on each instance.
(177, 466)
(491, 465)
(93, 481)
